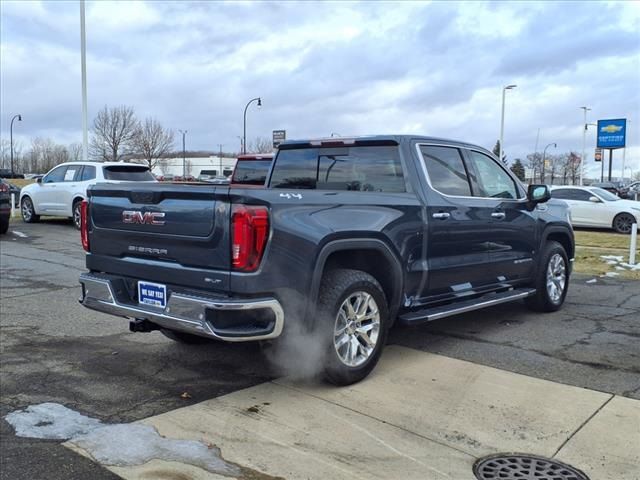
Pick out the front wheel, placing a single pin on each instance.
(28, 211)
(552, 279)
(353, 318)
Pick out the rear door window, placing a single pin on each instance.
(128, 173)
(88, 173)
(446, 170)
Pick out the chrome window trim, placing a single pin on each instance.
(460, 147)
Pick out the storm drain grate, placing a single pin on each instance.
(524, 467)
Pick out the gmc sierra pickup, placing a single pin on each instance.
(348, 237)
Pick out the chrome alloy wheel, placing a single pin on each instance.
(27, 209)
(77, 215)
(556, 277)
(357, 329)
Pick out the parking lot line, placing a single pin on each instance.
(419, 415)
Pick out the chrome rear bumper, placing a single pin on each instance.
(185, 313)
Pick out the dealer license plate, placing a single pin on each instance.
(154, 294)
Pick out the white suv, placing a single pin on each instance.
(60, 192)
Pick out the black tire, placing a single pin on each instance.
(339, 287)
(622, 223)
(544, 300)
(76, 213)
(28, 211)
(4, 225)
(186, 338)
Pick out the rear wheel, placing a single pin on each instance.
(552, 280)
(622, 222)
(353, 318)
(183, 337)
(28, 211)
(76, 213)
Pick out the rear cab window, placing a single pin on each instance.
(130, 173)
(251, 172)
(371, 168)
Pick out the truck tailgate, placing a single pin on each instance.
(174, 233)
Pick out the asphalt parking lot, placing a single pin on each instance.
(54, 350)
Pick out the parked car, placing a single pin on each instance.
(633, 191)
(599, 208)
(15, 191)
(6, 173)
(61, 191)
(612, 187)
(5, 206)
(348, 235)
(251, 170)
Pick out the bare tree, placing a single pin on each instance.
(153, 141)
(113, 133)
(260, 145)
(534, 161)
(75, 152)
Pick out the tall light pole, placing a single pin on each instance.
(624, 150)
(184, 155)
(19, 117)
(244, 130)
(83, 61)
(544, 153)
(504, 91)
(584, 141)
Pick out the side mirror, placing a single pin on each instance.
(594, 199)
(39, 180)
(538, 194)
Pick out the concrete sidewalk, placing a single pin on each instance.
(418, 416)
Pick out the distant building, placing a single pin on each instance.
(213, 164)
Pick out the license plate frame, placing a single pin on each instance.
(152, 294)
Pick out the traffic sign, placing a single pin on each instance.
(598, 155)
(279, 136)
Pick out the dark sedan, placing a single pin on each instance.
(5, 206)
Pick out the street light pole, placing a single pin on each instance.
(184, 155)
(83, 62)
(244, 130)
(584, 140)
(19, 117)
(544, 153)
(504, 91)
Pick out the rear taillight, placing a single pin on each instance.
(4, 187)
(249, 234)
(84, 225)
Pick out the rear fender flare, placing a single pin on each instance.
(358, 244)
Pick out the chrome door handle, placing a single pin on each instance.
(441, 215)
(498, 215)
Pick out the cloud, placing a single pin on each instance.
(354, 68)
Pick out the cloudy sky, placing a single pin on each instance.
(433, 68)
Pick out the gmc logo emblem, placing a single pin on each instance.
(146, 218)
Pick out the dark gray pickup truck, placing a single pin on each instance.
(348, 237)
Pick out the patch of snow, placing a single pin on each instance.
(612, 274)
(19, 234)
(612, 262)
(135, 444)
(50, 421)
(593, 280)
(121, 444)
(617, 258)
